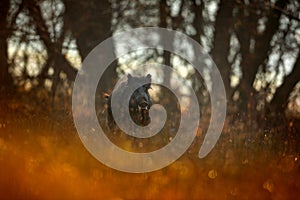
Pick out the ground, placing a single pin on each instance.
(42, 157)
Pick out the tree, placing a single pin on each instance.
(90, 29)
(216, 29)
(5, 77)
(282, 94)
(247, 33)
(53, 46)
(164, 12)
(223, 28)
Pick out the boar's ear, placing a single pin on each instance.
(148, 77)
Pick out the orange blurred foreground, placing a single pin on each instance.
(41, 159)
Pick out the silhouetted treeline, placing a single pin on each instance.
(255, 44)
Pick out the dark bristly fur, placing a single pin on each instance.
(140, 101)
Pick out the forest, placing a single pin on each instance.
(255, 45)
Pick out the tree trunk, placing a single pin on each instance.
(280, 100)
(90, 29)
(197, 80)
(164, 14)
(251, 60)
(6, 80)
(224, 22)
(53, 47)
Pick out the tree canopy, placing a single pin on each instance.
(255, 44)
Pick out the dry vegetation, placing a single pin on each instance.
(41, 157)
